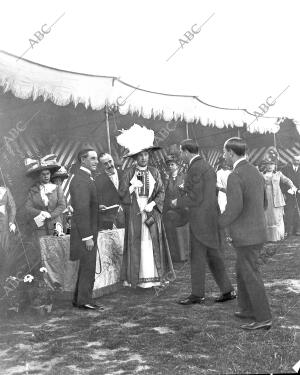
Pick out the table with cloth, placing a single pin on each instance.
(55, 255)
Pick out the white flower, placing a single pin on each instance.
(43, 269)
(28, 278)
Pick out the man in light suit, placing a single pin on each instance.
(83, 242)
(245, 217)
(200, 198)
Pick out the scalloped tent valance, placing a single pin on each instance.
(26, 79)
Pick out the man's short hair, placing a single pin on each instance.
(190, 146)
(84, 153)
(237, 145)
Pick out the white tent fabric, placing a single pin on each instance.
(26, 79)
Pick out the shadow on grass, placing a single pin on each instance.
(149, 334)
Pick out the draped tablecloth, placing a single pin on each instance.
(55, 255)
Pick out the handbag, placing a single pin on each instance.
(149, 221)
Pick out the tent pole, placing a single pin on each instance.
(275, 143)
(107, 130)
(187, 130)
(239, 135)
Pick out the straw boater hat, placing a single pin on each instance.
(47, 162)
(137, 139)
(61, 173)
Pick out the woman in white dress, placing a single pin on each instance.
(223, 173)
(275, 211)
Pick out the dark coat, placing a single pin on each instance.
(289, 172)
(201, 198)
(107, 195)
(246, 204)
(172, 189)
(85, 216)
(34, 205)
(132, 241)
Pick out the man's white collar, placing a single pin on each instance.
(238, 161)
(194, 157)
(86, 170)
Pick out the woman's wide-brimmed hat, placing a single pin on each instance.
(137, 139)
(61, 173)
(34, 166)
(271, 156)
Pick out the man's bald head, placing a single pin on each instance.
(107, 163)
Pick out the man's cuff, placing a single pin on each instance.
(87, 238)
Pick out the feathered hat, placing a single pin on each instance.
(137, 139)
(38, 165)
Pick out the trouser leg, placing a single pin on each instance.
(218, 270)
(297, 217)
(172, 219)
(289, 212)
(198, 260)
(253, 283)
(86, 278)
(243, 298)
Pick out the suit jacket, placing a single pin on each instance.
(56, 205)
(107, 195)
(201, 199)
(289, 172)
(246, 204)
(172, 190)
(85, 216)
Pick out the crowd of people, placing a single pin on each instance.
(245, 204)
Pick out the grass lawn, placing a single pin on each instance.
(146, 332)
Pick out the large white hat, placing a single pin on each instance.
(38, 165)
(137, 139)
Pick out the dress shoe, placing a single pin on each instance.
(226, 297)
(191, 300)
(242, 315)
(98, 307)
(267, 324)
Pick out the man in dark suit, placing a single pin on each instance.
(173, 217)
(292, 217)
(107, 184)
(245, 217)
(83, 242)
(201, 199)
